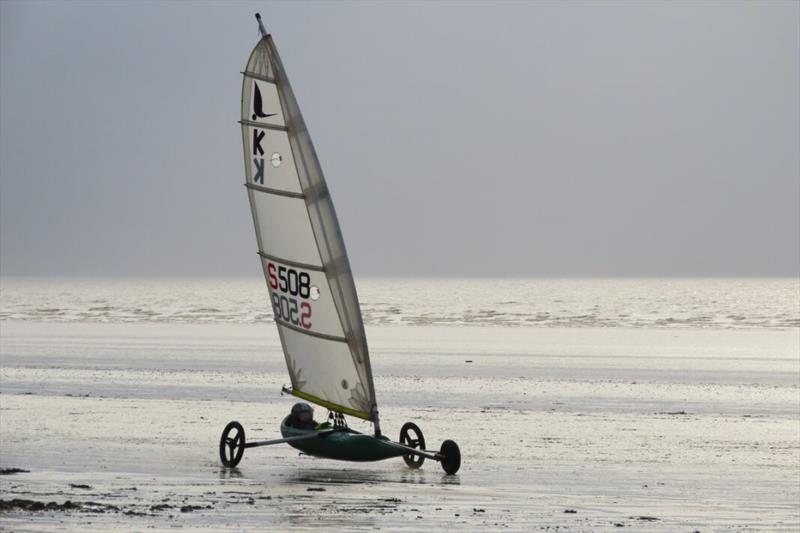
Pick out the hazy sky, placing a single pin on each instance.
(521, 139)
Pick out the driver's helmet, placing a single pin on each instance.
(302, 412)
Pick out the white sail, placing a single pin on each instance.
(301, 248)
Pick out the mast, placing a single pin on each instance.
(261, 26)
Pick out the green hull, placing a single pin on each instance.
(345, 445)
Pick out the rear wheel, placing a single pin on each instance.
(451, 456)
(231, 444)
(411, 436)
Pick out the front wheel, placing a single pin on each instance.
(411, 436)
(231, 444)
(451, 457)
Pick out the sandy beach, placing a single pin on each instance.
(582, 429)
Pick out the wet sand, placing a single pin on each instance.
(577, 429)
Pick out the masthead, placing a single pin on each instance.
(261, 25)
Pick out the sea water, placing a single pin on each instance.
(716, 303)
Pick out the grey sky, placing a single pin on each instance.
(461, 139)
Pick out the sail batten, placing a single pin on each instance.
(300, 245)
(274, 127)
(305, 266)
(257, 76)
(311, 333)
(277, 192)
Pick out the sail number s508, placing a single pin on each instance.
(288, 286)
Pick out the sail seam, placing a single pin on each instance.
(276, 127)
(276, 192)
(304, 266)
(308, 332)
(258, 76)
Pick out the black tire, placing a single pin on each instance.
(231, 447)
(451, 457)
(411, 436)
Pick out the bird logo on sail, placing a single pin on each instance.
(258, 111)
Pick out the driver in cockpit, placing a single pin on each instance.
(302, 417)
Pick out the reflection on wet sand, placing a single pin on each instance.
(360, 476)
(229, 473)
